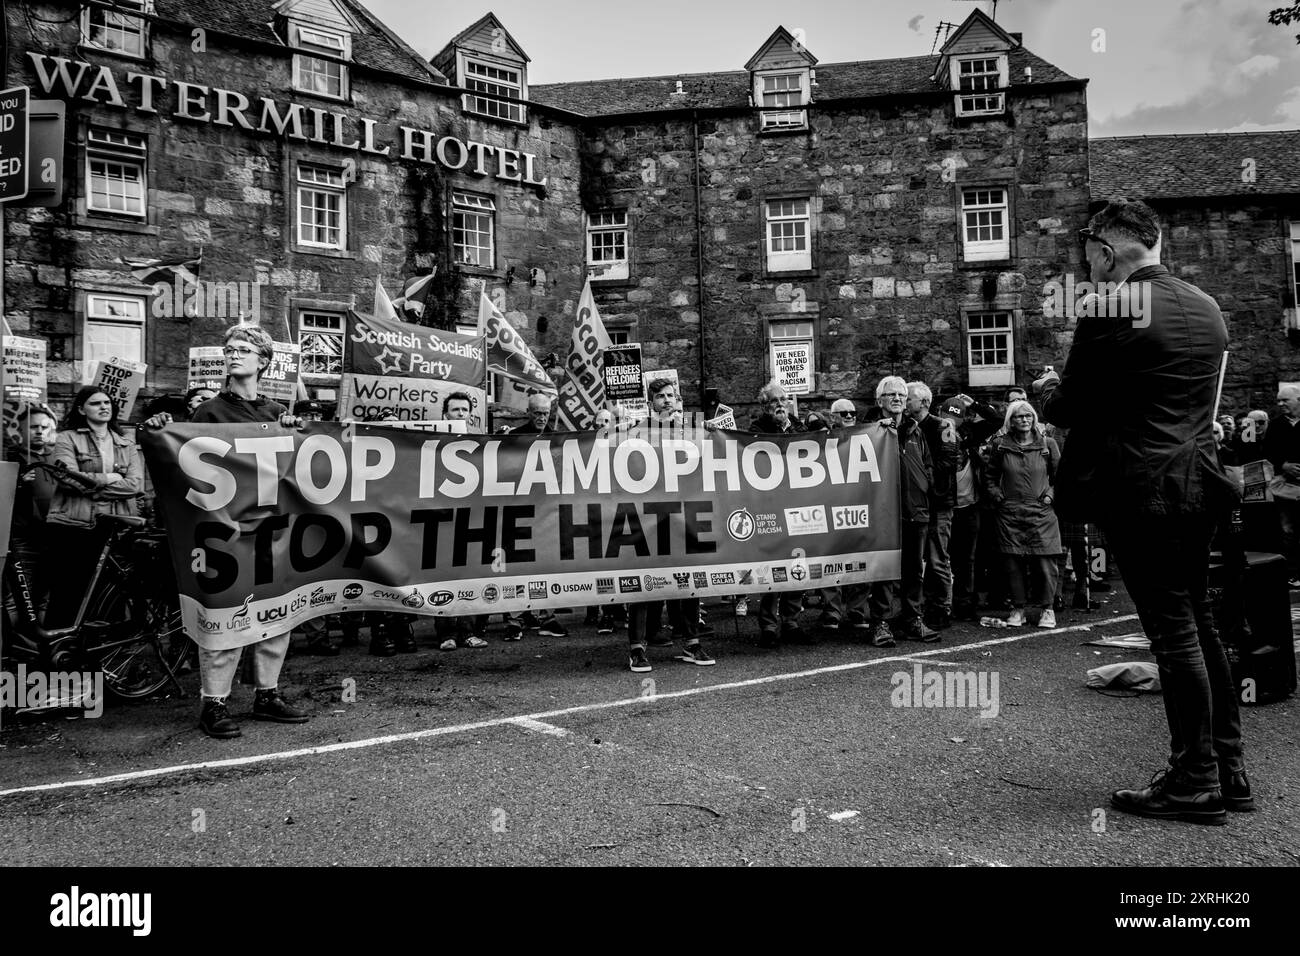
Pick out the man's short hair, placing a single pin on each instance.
(1127, 218)
(895, 381)
(1017, 390)
(844, 405)
(254, 336)
(921, 389)
(456, 397)
(539, 400)
(769, 392)
(1288, 388)
(37, 408)
(657, 385)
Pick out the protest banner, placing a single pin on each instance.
(120, 379)
(792, 366)
(395, 368)
(622, 369)
(507, 353)
(207, 368)
(279, 381)
(24, 369)
(581, 393)
(269, 530)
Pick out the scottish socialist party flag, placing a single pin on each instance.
(507, 353)
(582, 392)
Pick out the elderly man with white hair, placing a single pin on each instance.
(1281, 446)
(915, 478)
(942, 439)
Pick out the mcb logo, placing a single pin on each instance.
(628, 583)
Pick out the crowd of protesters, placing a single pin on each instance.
(980, 537)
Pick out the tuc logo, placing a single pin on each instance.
(806, 520)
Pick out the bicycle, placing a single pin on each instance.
(125, 627)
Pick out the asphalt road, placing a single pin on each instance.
(793, 756)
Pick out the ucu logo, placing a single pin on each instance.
(272, 614)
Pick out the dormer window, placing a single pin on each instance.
(488, 81)
(979, 82)
(312, 72)
(117, 31)
(783, 96)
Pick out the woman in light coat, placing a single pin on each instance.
(1021, 469)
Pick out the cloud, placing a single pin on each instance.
(914, 24)
(1258, 65)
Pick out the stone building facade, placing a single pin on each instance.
(893, 216)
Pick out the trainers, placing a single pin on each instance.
(742, 607)
(828, 622)
(694, 654)
(606, 626)
(1016, 618)
(381, 642)
(215, 720)
(529, 620)
(269, 705)
(1236, 791)
(1167, 799)
(768, 638)
(940, 619)
(637, 662)
(882, 636)
(660, 639)
(471, 640)
(513, 633)
(794, 634)
(403, 637)
(552, 628)
(1048, 618)
(856, 621)
(448, 645)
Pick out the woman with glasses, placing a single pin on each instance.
(1021, 470)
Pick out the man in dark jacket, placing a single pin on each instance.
(778, 611)
(1281, 446)
(1150, 478)
(942, 440)
(916, 479)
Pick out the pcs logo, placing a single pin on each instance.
(353, 591)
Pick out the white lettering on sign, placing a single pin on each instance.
(60, 76)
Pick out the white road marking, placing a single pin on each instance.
(538, 718)
(542, 728)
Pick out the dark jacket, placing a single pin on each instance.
(1281, 443)
(1138, 396)
(228, 408)
(915, 474)
(31, 498)
(1018, 481)
(942, 439)
(765, 424)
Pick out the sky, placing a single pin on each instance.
(1154, 66)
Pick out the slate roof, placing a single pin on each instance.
(378, 48)
(731, 89)
(1199, 164)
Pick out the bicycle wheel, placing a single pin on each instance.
(123, 637)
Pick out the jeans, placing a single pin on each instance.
(1044, 568)
(646, 617)
(849, 599)
(1163, 561)
(217, 668)
(938, 569)
(961, 551)
(909, 589)
(787, 604)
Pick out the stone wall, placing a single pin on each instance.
(228, 192)
(1238, 252)
(888, 287)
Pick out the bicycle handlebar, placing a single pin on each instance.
(61, 472)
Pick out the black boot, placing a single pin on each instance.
(1169, 798)
(403, 636)
(215, 720)
(381, 641)
(269, 705)
(1236, 791)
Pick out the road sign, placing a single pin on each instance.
(13, 144)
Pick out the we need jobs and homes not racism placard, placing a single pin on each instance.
(271, 527)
